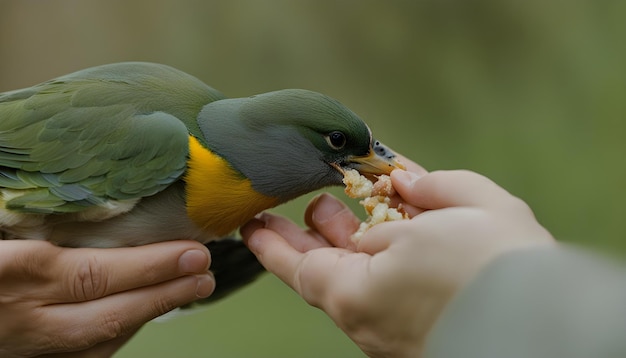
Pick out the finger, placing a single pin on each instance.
(417, 169)
(250, 227)
(299, 239)
(397, 201)
(309, 273)
(26, 262)
(381, 236)
(108, 349)
(333, 220)
(88, 323)
(86, 274)
(104, 349)
(273, 252)
(443, 189)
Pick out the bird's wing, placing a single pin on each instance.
(82, 141)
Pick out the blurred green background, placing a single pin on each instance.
(530, 93)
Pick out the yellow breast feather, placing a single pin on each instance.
(218, 198)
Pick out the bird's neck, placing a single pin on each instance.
(219, 199)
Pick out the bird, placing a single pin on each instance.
(132, 153)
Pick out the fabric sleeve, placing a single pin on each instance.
(549, 302)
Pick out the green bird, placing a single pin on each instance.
(133, 153)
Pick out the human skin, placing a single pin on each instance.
(386, 291)
(83, 302)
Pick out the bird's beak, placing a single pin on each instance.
(380, 160)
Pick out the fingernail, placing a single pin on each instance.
(405, 177)
(205, 286)
(193, 261)
(326, 207)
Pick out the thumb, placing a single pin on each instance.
(442, 189)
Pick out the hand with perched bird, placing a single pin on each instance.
(132, 154)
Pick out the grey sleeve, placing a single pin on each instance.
(550, 302)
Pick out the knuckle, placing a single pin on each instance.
(162, 305)
(113, 326)
(150, 272)
(90, 280)
(457, 174)
(519, 206)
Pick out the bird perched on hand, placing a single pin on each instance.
(133, 153)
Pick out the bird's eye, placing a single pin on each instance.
(336, 140)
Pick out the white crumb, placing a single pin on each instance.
(357, 186)
(375, 200)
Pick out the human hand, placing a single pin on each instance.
(387, 291)
(91, 301)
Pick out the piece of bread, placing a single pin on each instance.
(376, 200)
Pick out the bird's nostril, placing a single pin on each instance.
(382, 151)
(379, 149)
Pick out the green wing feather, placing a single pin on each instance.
(112, 132)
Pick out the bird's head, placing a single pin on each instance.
(291, 142)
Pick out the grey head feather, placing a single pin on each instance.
(277, 139)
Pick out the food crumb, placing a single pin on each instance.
(357, 186)
(375, 200)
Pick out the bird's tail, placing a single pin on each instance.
(233, 266)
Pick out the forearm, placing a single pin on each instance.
(548, 302)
